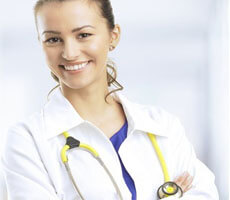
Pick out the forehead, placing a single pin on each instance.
(69, 14)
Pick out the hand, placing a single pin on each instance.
(184, 181)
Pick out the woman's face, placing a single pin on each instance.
(76, 40)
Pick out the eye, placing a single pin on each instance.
(53, 40)
(84, 35)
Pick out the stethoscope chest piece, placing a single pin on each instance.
(169, 189)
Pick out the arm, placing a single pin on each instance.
(203, 186)
(25, 174)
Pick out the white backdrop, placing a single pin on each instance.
(172, 54)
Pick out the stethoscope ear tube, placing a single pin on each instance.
(73, 181)
(169, 189)
(73, 143)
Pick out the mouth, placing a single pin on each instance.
(74, 67)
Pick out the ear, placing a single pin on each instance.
(115, 36)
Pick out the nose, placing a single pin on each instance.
(71, 50)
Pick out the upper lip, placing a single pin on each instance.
(74, 63)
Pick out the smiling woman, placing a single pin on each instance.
(77, 46)
(125, 138)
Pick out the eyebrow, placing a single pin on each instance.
(74, 30)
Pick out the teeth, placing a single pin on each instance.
(76, 67)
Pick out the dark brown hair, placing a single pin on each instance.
(107, 13)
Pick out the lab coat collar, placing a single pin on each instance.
(140, 117)
(59, 115)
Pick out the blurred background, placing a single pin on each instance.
(172, 54)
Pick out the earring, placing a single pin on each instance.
(111, 48)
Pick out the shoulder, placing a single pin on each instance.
(25, 126)
(19, 138)
(165, 125)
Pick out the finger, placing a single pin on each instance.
(188, 184)
(187, 189)
(180, 179)
(184, 181)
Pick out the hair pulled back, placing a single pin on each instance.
(107, 13)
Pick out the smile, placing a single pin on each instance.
(74, 67)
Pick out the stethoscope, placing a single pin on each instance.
(169, 188)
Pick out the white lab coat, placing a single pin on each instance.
(34, 171)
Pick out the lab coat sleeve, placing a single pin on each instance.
(25, 174)
(203, 183)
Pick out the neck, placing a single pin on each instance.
(91, 106)
(89, 103)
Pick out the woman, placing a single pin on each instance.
(76, 36)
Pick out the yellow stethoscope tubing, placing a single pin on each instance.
(162, 161)
(64, 157)
(93, 152)
(160, 156)
(82, 145)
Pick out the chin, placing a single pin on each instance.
(74, 86)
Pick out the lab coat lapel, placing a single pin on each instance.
(59, 115)
(141, 118)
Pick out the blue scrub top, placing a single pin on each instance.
(117, 140)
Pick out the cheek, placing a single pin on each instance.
(99, 52)
(99, 46)
(51, 55)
